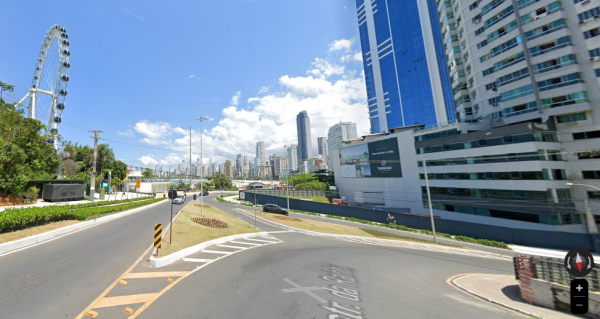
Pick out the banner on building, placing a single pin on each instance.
(374, 159)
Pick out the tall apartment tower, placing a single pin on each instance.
(342, 131)
(292, 155)
(322, 145)
(260, 158)
(304, 137)
(405, 69)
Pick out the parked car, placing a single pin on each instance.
(179, 200)
(272, 208)
(205, 193)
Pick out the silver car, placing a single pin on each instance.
(178, 200)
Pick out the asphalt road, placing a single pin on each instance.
(378, 282)
(60, 278)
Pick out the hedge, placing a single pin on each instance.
(19, 218)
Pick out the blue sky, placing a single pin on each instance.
(142, 71)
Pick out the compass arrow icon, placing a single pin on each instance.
(578, 262)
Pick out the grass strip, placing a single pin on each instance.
(386, 235)
(21, 218)
(187, 232)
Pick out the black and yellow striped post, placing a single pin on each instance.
(157, 236)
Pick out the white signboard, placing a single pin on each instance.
(242, 195)
(348, 170)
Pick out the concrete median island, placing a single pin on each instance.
(187, 232)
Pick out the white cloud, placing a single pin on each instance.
(193, 76)
(330, 93)
(148, 160)
(263, 89)
(128, 133)
(357, 56)
(342, 44)
(235, 99)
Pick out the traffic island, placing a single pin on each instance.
(188, 232)
(330, 228)
(503, 291)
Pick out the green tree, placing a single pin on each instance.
(5, 87)
(302, 178)
(148, 174)
(119, 170)
(24, 153)
(325, 176)
(311, 186)
(104, 156)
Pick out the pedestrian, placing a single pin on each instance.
(389, 218)
(394, 220)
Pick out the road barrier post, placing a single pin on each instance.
(157, 237)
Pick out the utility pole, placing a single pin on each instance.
(429, 198)
(201, 119)
(190, 157)
(93, 175)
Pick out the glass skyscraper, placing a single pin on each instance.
(304, 138)
(405, 71)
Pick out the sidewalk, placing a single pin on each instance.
(42, 203)
(504, 291)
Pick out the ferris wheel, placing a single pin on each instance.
(49, 85)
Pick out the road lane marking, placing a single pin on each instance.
(234, 247)
(264, 241)
(197, 260)
(217, 252)
(240, 242)
(137, 275)
(307, 290)
(123, 300)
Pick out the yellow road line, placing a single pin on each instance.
(85, 311)
(156, 296)
(133, 275)
(123, 300)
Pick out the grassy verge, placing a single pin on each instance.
(329, 228)
(319, 199)
(20, 218)
(187, 233)
(466, 239)
(32, 231)
(220, 200)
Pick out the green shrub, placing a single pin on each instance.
(19, 218)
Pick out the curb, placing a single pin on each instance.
(308, 232)
(13, 246)
(491, 300)
(169, 259)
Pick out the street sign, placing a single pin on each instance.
(172, 194)
(138, 182)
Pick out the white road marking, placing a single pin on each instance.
(239, 242)
(307, 290)
(217, 252)
(264, 241)
(234, 247)
(196, 260)
(449, 250)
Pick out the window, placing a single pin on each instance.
(482, 142)
(586, 135)
(507, 139)
(591, 174)
(593, 195)
(589, 14)
(581, 116)
(591, 33)
(557, 101)
(550, 46)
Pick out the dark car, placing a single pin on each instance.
(272, 208)
(205, 193)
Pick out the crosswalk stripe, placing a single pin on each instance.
(240, 242)
(264, 241)
(197, 260)
(217, 252)
(234, 247)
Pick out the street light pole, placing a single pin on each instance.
(287, 187)
(429, 197)
(201, 119)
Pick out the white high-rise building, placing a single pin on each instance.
(292, 154)
(304, 136)
(260, 159)
(342, 131)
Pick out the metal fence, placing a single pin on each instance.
(553, 270)
(526, 237)
(283, 192)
